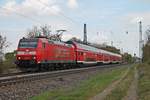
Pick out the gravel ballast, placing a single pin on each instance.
(24, 91)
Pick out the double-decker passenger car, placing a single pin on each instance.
(39, 53)
(89, 55)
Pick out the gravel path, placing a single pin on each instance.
(104, 93)
(24, 91)
(132, 92)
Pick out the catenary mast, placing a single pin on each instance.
(140, 40)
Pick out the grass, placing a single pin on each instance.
(6, 65)
(121, 90)
(85, 90)
(144, 81)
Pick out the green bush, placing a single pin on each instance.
(8, 63)
(146, 53)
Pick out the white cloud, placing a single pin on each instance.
(72, 4)
(33, 7)
(10, 4)
(33, 10)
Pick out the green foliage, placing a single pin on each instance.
(10, 56)
(146, 52)
(127, 58)
(111, 49)
(8, 62)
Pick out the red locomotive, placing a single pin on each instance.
(42, 53)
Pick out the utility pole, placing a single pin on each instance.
(140, 41)
(85, 35)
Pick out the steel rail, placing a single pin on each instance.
(9, 80)
(12, 74)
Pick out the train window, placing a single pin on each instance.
(27, 44)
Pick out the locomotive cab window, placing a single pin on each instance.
(27, 44)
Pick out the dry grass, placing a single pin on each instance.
(144, 81)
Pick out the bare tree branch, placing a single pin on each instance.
(3, 44)
(46, 32)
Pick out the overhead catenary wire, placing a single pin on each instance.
(60, 13)
(20, 14)
(38, 21)
(34, 19)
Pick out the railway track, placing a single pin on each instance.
(12, 74)
(24, 77)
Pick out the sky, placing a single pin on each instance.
(107, 20)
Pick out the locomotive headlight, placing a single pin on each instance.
(32, 52)
(19, 58)
(20, 52)
(34, 58)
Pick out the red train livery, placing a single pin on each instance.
(35, 52)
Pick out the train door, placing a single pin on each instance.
(80, 57)
(44, 51)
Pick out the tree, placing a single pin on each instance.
(146, 52)
(3, 45)
(105, 47)
(148, 34)
(127, 58)
(146, 48)
(45, 31)
(110, 48)
(76, 40)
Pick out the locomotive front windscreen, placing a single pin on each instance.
(28, 43)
